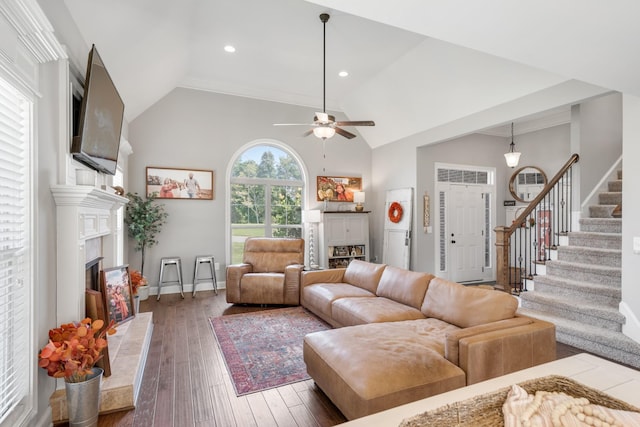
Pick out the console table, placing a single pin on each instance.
(615, 380)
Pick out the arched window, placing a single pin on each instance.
(266, 195)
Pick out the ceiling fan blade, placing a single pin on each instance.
(294, 124)
(344, 133)
(307, 133)
(356, 123)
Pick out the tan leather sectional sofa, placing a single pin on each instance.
(402, 336)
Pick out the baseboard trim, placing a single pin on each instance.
(188, 288)
(632, 327)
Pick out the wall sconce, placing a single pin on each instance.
(512, 157)
(311, 217)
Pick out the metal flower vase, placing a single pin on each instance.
(83, 400)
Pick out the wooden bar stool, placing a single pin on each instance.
(167, 262)
(205, 259)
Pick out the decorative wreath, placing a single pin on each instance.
(395, 212)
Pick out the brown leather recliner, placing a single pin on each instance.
(269, 274)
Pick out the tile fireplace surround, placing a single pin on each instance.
(84, 213)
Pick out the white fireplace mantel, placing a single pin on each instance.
(82, 213)
(86, 196)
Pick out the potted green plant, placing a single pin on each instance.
(144, 219)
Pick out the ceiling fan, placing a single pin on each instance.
(324, 125)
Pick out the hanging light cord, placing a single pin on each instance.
(325, 18)
(512, 145)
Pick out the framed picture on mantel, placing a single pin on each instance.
(337, 188)
(116, 286)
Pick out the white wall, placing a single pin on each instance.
(630, 214)
(600, 138)
(393, 166)
(203, 130)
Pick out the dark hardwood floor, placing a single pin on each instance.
(186, 383)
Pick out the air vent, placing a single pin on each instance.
(463, 176)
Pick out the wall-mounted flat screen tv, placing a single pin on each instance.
(100, 122)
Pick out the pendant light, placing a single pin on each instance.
(513, 156)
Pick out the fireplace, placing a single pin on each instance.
(92, 274)
(86, 241)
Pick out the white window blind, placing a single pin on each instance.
(16, 354)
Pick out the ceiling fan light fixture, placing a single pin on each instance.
(324, 132)
(324, 125)
(229, 49)
(343, 73)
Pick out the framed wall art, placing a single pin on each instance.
(174, 183)
(116, 286)
(337, 188)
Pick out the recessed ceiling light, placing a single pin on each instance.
(343, 73)
(229, 48)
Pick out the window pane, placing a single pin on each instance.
(238, 236)
(247, 204)
(287, 232)
(286, 204)
(265, 161)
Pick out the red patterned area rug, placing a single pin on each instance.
(263, 349)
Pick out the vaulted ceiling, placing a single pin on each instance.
(413, 65)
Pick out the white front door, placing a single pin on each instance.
(397, 235)
(466, 232)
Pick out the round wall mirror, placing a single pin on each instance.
(526, 183)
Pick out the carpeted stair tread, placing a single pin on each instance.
(594, 256)
(568, 307)
(610, 198)
(604, 225)
(601, 211)
(603, 342)
(584, 291)
(610, 276)
(594, 239)
(615, 185)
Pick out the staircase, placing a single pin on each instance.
(581, 290)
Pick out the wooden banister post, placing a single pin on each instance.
(502, 258)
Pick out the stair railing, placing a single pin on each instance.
(529, 240)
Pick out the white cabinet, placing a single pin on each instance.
(344, 236)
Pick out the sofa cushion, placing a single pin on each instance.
(369, 368)
(365, 275)
(358, 311)
(318, 297)
(466, 306)
(406, 287)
